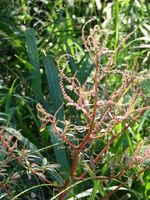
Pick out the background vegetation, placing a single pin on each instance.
(34, 34)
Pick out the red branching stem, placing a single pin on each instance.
(116, 108)
(112, 139)
(108, 145)
(124, 183)
(4, 188)
(86, 139)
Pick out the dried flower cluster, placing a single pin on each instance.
(124, 104)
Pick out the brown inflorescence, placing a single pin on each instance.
(103, 115)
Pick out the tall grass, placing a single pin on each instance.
(33, 37)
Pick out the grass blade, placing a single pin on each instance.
(54, 87)
(57, 101)
(34, 60)
(71, 60)
(143, 120)
(85, 70)
(129, 143)
(94, 190)
(8, 97)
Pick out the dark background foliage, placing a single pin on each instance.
(34, 34)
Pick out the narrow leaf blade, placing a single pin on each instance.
(34, 60)
(57, 101)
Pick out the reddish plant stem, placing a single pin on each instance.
(114, 177)
(110, 142)
(86, 139)
(124, 183)
(4, 188)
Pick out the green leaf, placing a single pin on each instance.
(143, 120)
(147, 190)
(53, 174)
(71, 60)
(34, 60)
(29, 134)
(94, 191)
(8, 97)
(133, 41)
(85, 70)
(119, 143)
(129, 143)
(132, 133)
(54, 86)
(57, 101)
(146, 86)
(3, 195)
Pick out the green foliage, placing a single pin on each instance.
(57, 101)
(34, 60)
(34, 34)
